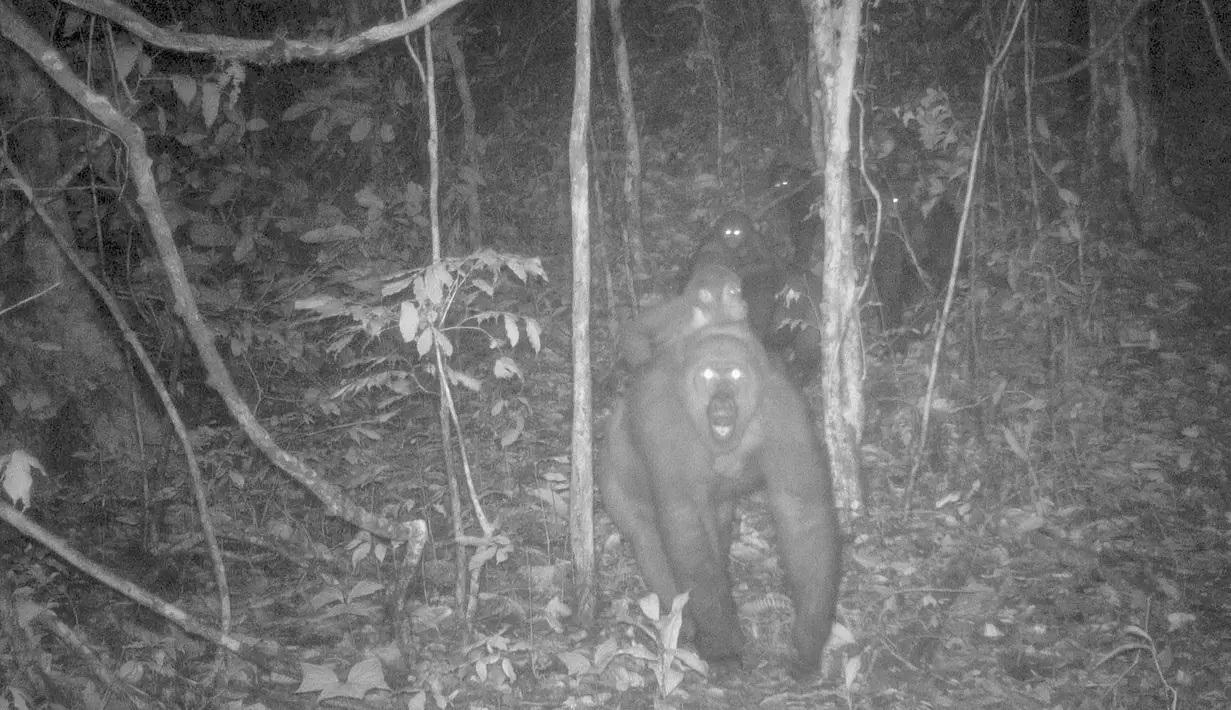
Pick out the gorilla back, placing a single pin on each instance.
(705, 422)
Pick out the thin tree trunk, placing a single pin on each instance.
(87, 365)
(632, 142)
(1120, 90)
(470, 138)
(709, 42)
(581, 484)
(835, 43)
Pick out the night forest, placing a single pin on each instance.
(622, 354)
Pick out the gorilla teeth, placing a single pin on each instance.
(722, 432)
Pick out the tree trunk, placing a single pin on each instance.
(58, 350)
(632, 143)
(581, 483)
(1124, 121)
(835, 44)
(787, 35)
(470, 138)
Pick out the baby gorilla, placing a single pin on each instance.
(711, 297)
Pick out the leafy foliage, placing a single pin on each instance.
(453, 300)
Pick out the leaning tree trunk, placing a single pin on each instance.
(57, 351)
(787, 35)
(1124, 120)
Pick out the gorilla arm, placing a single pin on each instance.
(666, 518)
(624, 482)
(800, 496)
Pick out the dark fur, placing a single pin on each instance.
(797, 192)
(703, 424)
(902, 281)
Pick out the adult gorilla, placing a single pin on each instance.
(709, 420)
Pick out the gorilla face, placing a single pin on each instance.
(723, 388)
(734, 229)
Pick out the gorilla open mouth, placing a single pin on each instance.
(722, 413)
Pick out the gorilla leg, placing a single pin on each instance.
(629, 499)
(693, 514)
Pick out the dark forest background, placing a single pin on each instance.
(1060, 540)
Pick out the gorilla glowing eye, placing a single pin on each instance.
(709, 373)
(737, 374)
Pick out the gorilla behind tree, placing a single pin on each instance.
(795, 327)
(797, 191)
(708, 420)
(914, 256)
(736, 244)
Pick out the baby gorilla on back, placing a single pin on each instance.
(782, 301)
(711, 297)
